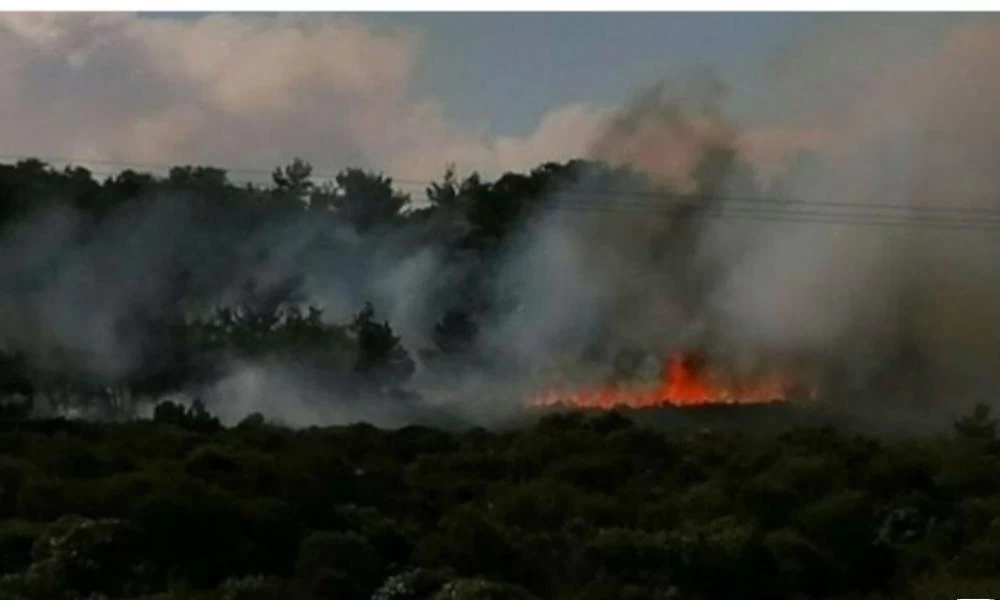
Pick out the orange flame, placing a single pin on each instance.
(686, 383)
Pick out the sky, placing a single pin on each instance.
(409, 94)
(523, 66)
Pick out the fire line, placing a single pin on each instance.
(686, 382)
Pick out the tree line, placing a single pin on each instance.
(230, 291)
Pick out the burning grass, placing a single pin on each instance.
(688, 380)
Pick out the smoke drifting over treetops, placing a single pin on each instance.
(862, 264)
(878, 269)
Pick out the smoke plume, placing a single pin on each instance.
(876, 268)
(865, 263)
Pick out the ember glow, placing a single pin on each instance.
(686, 382)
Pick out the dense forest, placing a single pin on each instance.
(208, 301)
(573, 507)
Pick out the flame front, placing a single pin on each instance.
(685, 383)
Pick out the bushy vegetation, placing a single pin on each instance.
(574, 507)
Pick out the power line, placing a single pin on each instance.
(571, 192)
(685, 199)
(331, 174)
(805, 209)
(757, 208)
(806, 217)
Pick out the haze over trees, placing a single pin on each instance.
(152, 289)
(138, 286)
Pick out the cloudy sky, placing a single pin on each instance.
(411, 93)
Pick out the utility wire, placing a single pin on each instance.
(757, 208)
(804, 209)
(806, 217)
(572, 192)
(686, 199)
(330, 174)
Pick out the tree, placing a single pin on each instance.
(323, 198)
(294, 179)
(81, 558)
(367, 200)
(446, 193)
(194, 417)
(381, 359)
(332, 564)
(480, 589)
(455, 333)
(977, 426)
(413, 584)
(292, 187)
(191, 177)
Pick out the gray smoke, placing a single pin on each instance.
(880, 281)
(77, 299)
(877, 272)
